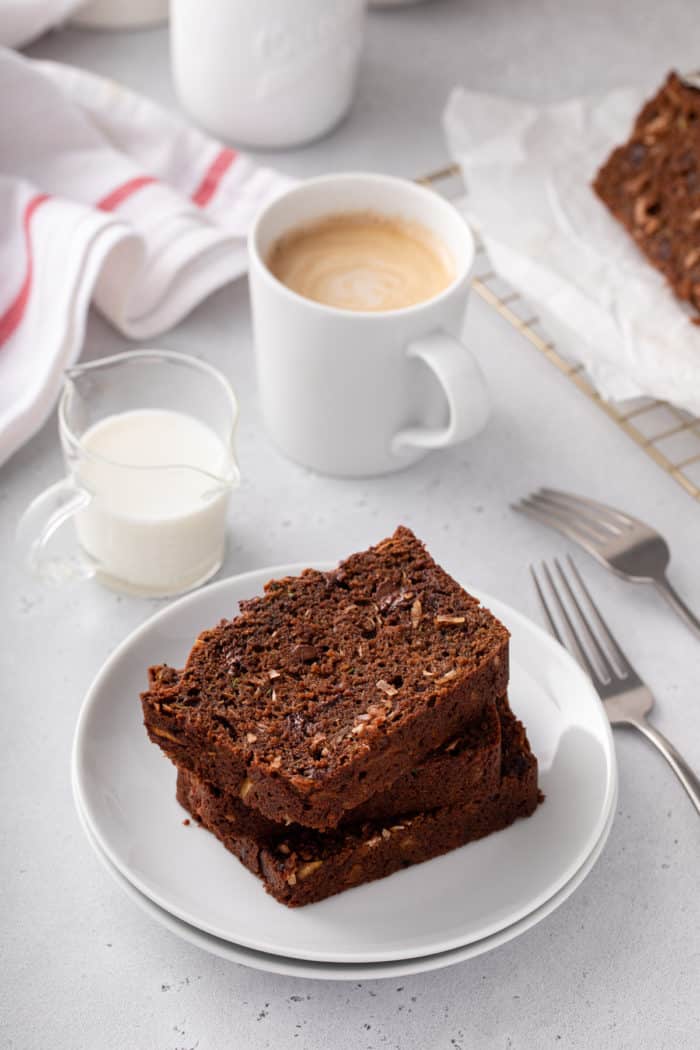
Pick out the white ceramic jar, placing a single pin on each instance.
(266, 73)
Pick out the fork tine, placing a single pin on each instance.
(545, 608)
(575, 643)
(605, 662)
(598, 532)
(556, 521)
(624, 666)
(583, 514)
(613, 515)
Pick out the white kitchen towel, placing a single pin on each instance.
(22, 21)
(104, 196)
(528, 171)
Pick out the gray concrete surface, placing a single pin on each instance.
(619, 964)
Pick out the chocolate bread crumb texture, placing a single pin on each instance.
(467, 767)
(299, 866)
(651, 185)
(331, 686)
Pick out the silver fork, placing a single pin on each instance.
(621, 543)
(627, 700)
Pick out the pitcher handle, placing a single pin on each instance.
(41, 520)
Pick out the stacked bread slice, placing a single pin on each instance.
(347, 724)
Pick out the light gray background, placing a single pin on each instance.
(619, 964)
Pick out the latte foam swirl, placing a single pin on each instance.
(362, 261)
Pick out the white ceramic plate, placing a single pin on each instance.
(126, 790)
(343, 971)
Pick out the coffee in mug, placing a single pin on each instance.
(363, 261)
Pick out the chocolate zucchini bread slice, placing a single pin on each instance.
(299, 866)
(467, 767)
(331, 686)
(651, 185)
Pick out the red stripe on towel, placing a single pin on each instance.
(217, 169)
(118, 196)
(11, 318)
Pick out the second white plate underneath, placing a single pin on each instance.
(343, 971)
(126, 790)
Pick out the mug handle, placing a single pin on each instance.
(462, 381)
(43, 517)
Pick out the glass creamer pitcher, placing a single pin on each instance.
(148, 440)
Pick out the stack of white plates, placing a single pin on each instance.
(426, 917)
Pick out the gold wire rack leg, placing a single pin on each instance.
(627, 419)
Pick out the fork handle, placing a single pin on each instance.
(678, 605)
(678, 764)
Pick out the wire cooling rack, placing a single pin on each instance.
(668, 435)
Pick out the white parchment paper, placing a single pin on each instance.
(528, 171)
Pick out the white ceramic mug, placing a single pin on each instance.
(353, 393)
(270, 73)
